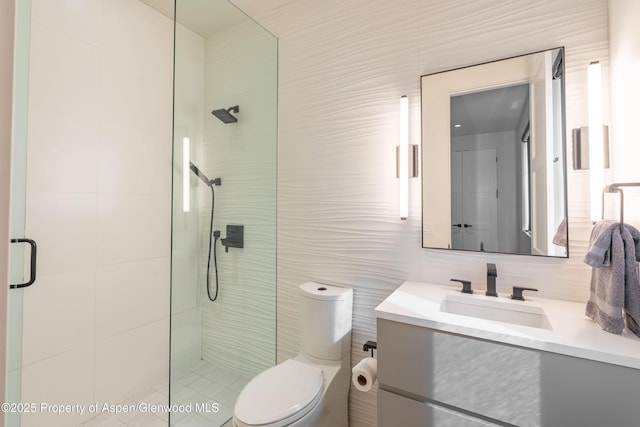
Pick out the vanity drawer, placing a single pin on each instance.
(493, 380)
(404, 357)
(395, 410)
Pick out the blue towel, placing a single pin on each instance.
(614, 297)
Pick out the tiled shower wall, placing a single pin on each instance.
(342, 69)
(98, 203)
(239, 329)
(228, 66)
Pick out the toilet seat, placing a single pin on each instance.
(280, 395)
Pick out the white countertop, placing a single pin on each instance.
(572, 333)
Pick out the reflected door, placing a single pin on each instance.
(475, 221)
(457, 235)
(541, 154)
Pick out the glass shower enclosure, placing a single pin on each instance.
(223, 280)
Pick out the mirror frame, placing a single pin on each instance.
(437, 110)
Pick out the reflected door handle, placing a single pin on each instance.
(32, 264)
(468, 225)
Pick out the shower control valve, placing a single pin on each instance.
(235, 237)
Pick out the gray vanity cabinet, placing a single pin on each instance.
(396, 410)
(432, 378)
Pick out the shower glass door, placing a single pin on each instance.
(223, 290)
(18, 207)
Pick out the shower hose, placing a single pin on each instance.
(213, 241)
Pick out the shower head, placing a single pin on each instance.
(225, 115)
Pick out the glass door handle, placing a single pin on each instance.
(32, 264)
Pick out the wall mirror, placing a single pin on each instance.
(493, 157)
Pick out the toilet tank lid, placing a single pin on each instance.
(325, 292)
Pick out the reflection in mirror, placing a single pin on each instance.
(495, 134)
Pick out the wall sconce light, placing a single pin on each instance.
(596, 146)
(591, 148)
(406, 158)
(186, 159)
(580, 137)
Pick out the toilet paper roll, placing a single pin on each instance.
(365, 374)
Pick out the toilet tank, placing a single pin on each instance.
(325, 320)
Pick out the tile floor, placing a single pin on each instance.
(204, 396)
(204, 386)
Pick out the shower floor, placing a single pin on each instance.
(206, 392)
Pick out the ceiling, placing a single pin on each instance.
(207, 16)
(163, 6)
(489, 111)
(256, 8)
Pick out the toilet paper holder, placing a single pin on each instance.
(370, 345)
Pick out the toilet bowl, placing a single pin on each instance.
(312, 388)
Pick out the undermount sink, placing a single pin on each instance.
(499, 311)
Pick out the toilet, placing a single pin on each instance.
(310, 390)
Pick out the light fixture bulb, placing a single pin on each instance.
(186, 160)
(403, 161)
(596, 150)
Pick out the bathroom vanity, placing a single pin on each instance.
(444, 360)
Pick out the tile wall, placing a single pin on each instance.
(98, 203)
(220, 68)
(342, 68)
(239, 329)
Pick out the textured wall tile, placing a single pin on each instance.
(238, 330)
(342, 68)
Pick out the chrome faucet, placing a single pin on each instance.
(492, 273)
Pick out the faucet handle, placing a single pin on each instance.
(466, 285)
(517, 292)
